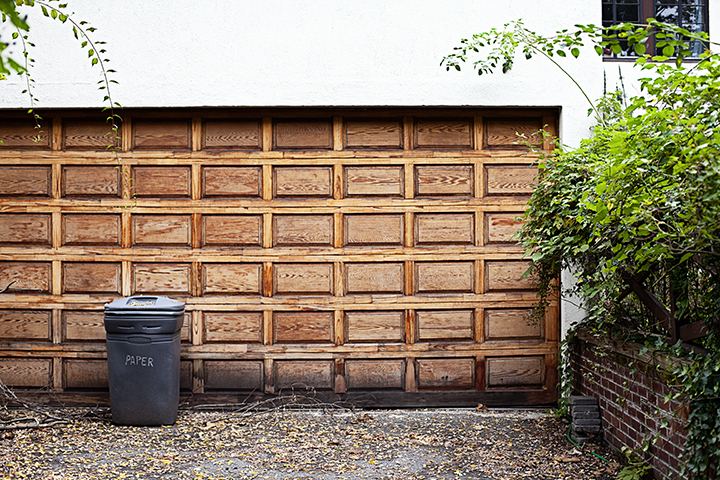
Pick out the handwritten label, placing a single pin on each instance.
(139, 361)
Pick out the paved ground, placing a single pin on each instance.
(315, 444)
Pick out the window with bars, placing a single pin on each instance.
(691, 15)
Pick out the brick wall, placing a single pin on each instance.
(631, 389)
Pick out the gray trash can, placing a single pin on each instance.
(143, 353)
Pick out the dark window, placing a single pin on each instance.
(691, 15)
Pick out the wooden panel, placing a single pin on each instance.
(79, 326)
(32, 325)
(231, 182)
(361, 134)
(374, 181)
(233, 375)
(513, 133)
(233, 327)
(236, 230)
(91, 181)
(303, 374)
(511, 324)
(232, 278)
(299, 135)
(303, 278)
(31, 277)
(375, 374)
(508, 275)
(505, 180)
(444, 277)
(303, 327)
(450, 325)
(445, 373)
(85, 374)
(374, 278)
(443, 229)
(383, 327)
(443, 180)
(302, 182)
(161, 135)
(374, 229)
(15, 372)
(239, 135)
(501, 227)
(161, 230)
(515, 371)
(21, 133)
(161, 181)
(290, 230)
(443, 133)
(25, 229)
(91, 277)
(161, 278)
(25, 181)
(186, 376)
(80, 229)
(88, 135)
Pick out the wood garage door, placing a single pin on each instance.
(364, 254)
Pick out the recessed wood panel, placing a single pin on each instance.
(503, 180)
(303, 327)
(93, 229)
(376, 181)
(22, 372)
(302, 182)
(23, 133)
(303, 374)
(303, 278)
(236, 135)
(237, 182)
(385, 327)
(25, 181)
(374, 229)
(443, 180)
(443, 133)
(79, 326)
(232, 230)
(445, 373)
(26, 229)
(186, 377)
(88, 135)
(502, 227)
(514, 371)
(449, 325)
(507, 275)
(161, 230)
(96, 277)
(513, 133)
(316, 135)
(374, 278)
(91, 181)
(31, 325)
(512, 324)
(161, 181)
(444, 277)
(161, 135)
(445, 228)
(85, 374)
(161, 278)
(233, 375)
(361, 134)
(298, 230)
(375, 374)
(232, 278)
(233, 327)
(30, 277)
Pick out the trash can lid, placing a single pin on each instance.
(143, 303)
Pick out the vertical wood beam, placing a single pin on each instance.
(196, 134)
(479, 217)
(267, 327)
(338, 133)
(196, 230)
(56, 284)
(338, 279)
(339, 327)
(409, 233)
(196, 182)
(410, 327)
(338, 230)
(56, 137)
(267, 279)
(550, 126)
(267, 137)
(409, 284)
(126, 229)
(127, 280)
(267, 184)
(479, 277)
(408, 134)
(198, 376)
(57, 374)
(196, 279)
(56, 229)
(197, 328)
(479, 325)
(409, 180)
(57, 329)
(340, 375)
(267, 230)
(410, 379)
(338, 181)
(478, 132)
(480, 373)
(269, 374)
(56, 179)
(126, 140)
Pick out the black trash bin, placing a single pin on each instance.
(143, 352)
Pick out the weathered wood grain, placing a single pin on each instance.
(31, 277)
(445, 228)
(83, 326)
(303, 327)
(364, 327)
(90, 181)
(503, 180)
(31, 325)
(22, 133)
(374, 229)
(500, 228)
(161, 278)
(161, 135)
(507, 275)
(162, 230)
(374, 181)
(515, 371)
(232, 135)
(303, 374)
(85, 277)
(374, 278)
(303, 279)
(25, 372)
(30, 229)
(375, 374)
(241, 375)
(161, 182)
(233, 327)
(445, 325)
(443, 133)
(26, 181)
(232, 279)
(369, 134)
(445, 373)
(232, 230)
(298, 230)
(88, 135)
(513, 133)
(512, 324)
(316, 135)
(443, 180)
(435, 277)
(85, 374)
(91, 229)
(302, 182)
(231, 182)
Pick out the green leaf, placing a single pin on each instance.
(639, 49)
(53, 13)
(575, 52)
(668, 51)
(599, 50)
